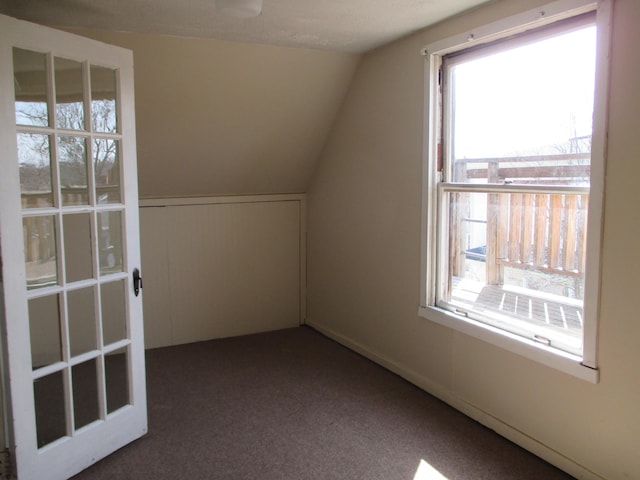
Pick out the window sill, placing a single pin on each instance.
(553, 358)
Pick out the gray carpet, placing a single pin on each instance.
(293, 404)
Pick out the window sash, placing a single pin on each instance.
(548, 335)
(534, 34)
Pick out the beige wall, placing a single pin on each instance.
(364, 263)
(215, 270)
(217, 117)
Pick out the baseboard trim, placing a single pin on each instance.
(505, 430)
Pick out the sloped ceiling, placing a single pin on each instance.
(338, 25)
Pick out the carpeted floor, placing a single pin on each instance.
(293, 404)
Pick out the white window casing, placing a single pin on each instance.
(585, 366)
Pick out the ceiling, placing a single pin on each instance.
(338, 25)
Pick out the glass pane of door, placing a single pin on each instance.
(110, 242)
(69, 94)
(106, 159)
(81, 315)
(44, 327)
(86, 408)
(114, 314)
(103, 99)
(34, 160)
(30, 84)
(72, 157)
(40, 250)
(49, 400)
(117, 379)
(77, 247)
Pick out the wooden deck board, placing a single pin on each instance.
(521, 304)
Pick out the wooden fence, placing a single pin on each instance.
(537, 231)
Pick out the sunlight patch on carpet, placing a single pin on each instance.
(427, 472)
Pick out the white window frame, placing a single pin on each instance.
(585, 367)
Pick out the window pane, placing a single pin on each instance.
(103, 99)
(30, 83)
(40, 251)
(116, 369)
(114, 316)
(524, 115)
(85, 393)
(106, 158)
(77, 247)
(110, 242)
(72, 155)
(517, 261)
(44, 329)
(48, 395)
(69, 94)
(34, 160)
(82, 320)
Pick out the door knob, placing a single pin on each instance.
(137, 281)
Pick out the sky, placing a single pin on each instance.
(520, 100)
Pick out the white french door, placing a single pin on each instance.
(69, 244)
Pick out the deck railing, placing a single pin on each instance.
(542, 229)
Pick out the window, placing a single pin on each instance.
(513, 193)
